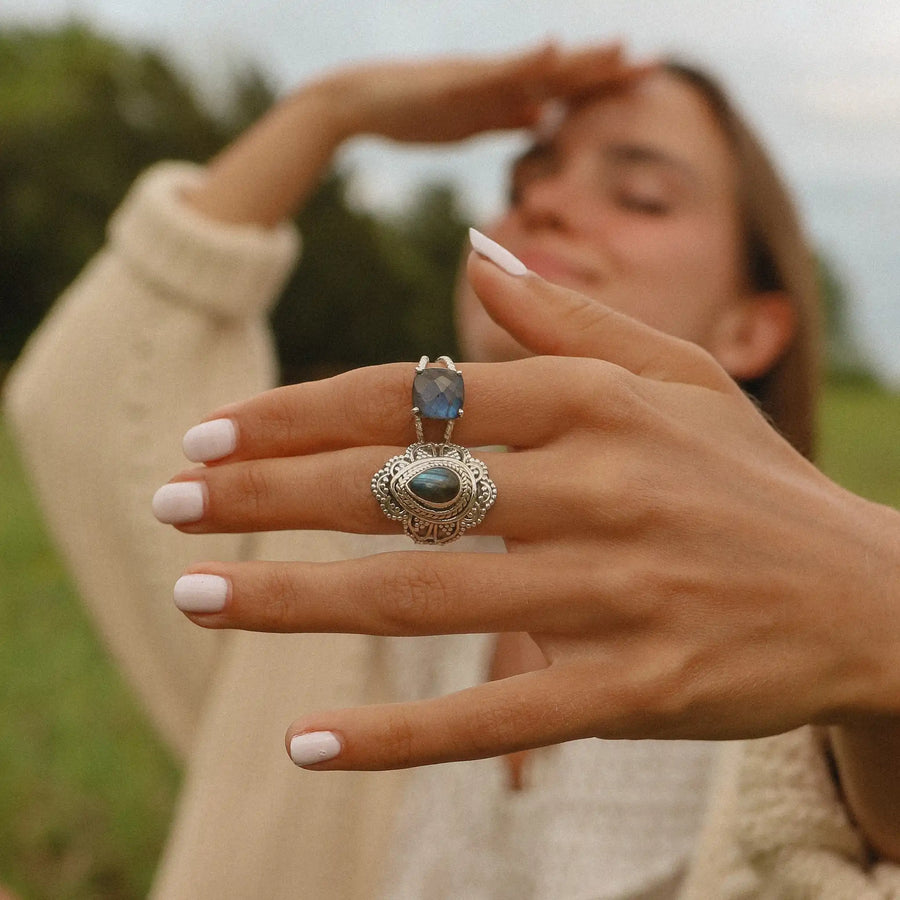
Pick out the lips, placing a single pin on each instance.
(559, 268)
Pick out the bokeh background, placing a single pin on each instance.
(93, 91)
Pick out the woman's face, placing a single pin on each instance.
(633, 202)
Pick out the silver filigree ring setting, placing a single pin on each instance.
(436, 490)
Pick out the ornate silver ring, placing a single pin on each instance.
(436, 490)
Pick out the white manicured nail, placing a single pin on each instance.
(179, 503)
(498, 255)
(201, 593)
(314, 747)
(210, 440)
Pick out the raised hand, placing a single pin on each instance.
(684, 571)
(451, 98)
(269, 171)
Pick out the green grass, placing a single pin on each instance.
(860, 432)
(85, 788)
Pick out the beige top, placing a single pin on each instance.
(166, 324)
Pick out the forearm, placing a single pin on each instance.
(868, 760)
(265, 175)
(867, 748)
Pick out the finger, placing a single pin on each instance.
(511, 715)
(591, 69)
(554, 320)
(523, 404)
(404, 594)
(333, 492)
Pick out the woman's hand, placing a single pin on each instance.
(451, 98)
(683, 570)
(266, 174)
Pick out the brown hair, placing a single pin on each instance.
(778, 258)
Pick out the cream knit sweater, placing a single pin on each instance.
(166, 324)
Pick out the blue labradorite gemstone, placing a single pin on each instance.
(438, 393)
(435, 485)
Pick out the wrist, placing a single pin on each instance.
(343, 105)
(873, 591)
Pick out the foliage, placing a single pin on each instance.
(83, 115)
(859, 448)
(369, 290)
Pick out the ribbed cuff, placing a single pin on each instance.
(233, 271)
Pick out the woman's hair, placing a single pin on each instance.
(778, 257)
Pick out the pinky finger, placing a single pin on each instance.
(492, 719)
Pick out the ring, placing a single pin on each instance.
(437, 490)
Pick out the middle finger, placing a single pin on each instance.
(524, 403)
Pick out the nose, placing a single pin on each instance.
(556, 200)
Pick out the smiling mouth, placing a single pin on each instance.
(558, 270)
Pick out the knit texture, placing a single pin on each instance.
(777, 829)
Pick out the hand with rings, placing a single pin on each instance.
(685, 572)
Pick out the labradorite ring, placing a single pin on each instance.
(436, 490)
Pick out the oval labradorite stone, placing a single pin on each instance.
(436, 485)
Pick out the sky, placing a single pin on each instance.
(820, 80)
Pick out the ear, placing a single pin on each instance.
(751, 336)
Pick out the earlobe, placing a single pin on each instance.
(753, 335)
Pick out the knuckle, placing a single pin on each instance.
(600, 394)
(581, 317)
(279, 423)
(276, 603)
(254, 491)
(398, 740)
(378, 390)
(704, 368)
(491, 728)
(414, 597)
(664, 693)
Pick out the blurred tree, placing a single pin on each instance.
(82, 115)
(369, 289)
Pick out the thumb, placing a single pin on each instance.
(555, 321)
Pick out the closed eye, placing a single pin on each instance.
(643, 203)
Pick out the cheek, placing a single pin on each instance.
(682, 277)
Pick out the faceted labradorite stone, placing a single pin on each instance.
(435, 485)
(438, 393)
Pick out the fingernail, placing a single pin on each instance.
(201, 593)
(498, 255)
(179, 503)
(314, 747)
(210, 440)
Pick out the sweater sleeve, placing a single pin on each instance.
(166, 323)
(778, 828)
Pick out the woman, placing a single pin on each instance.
(195, 293)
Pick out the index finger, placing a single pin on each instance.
(521, 404)
(547, 318)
